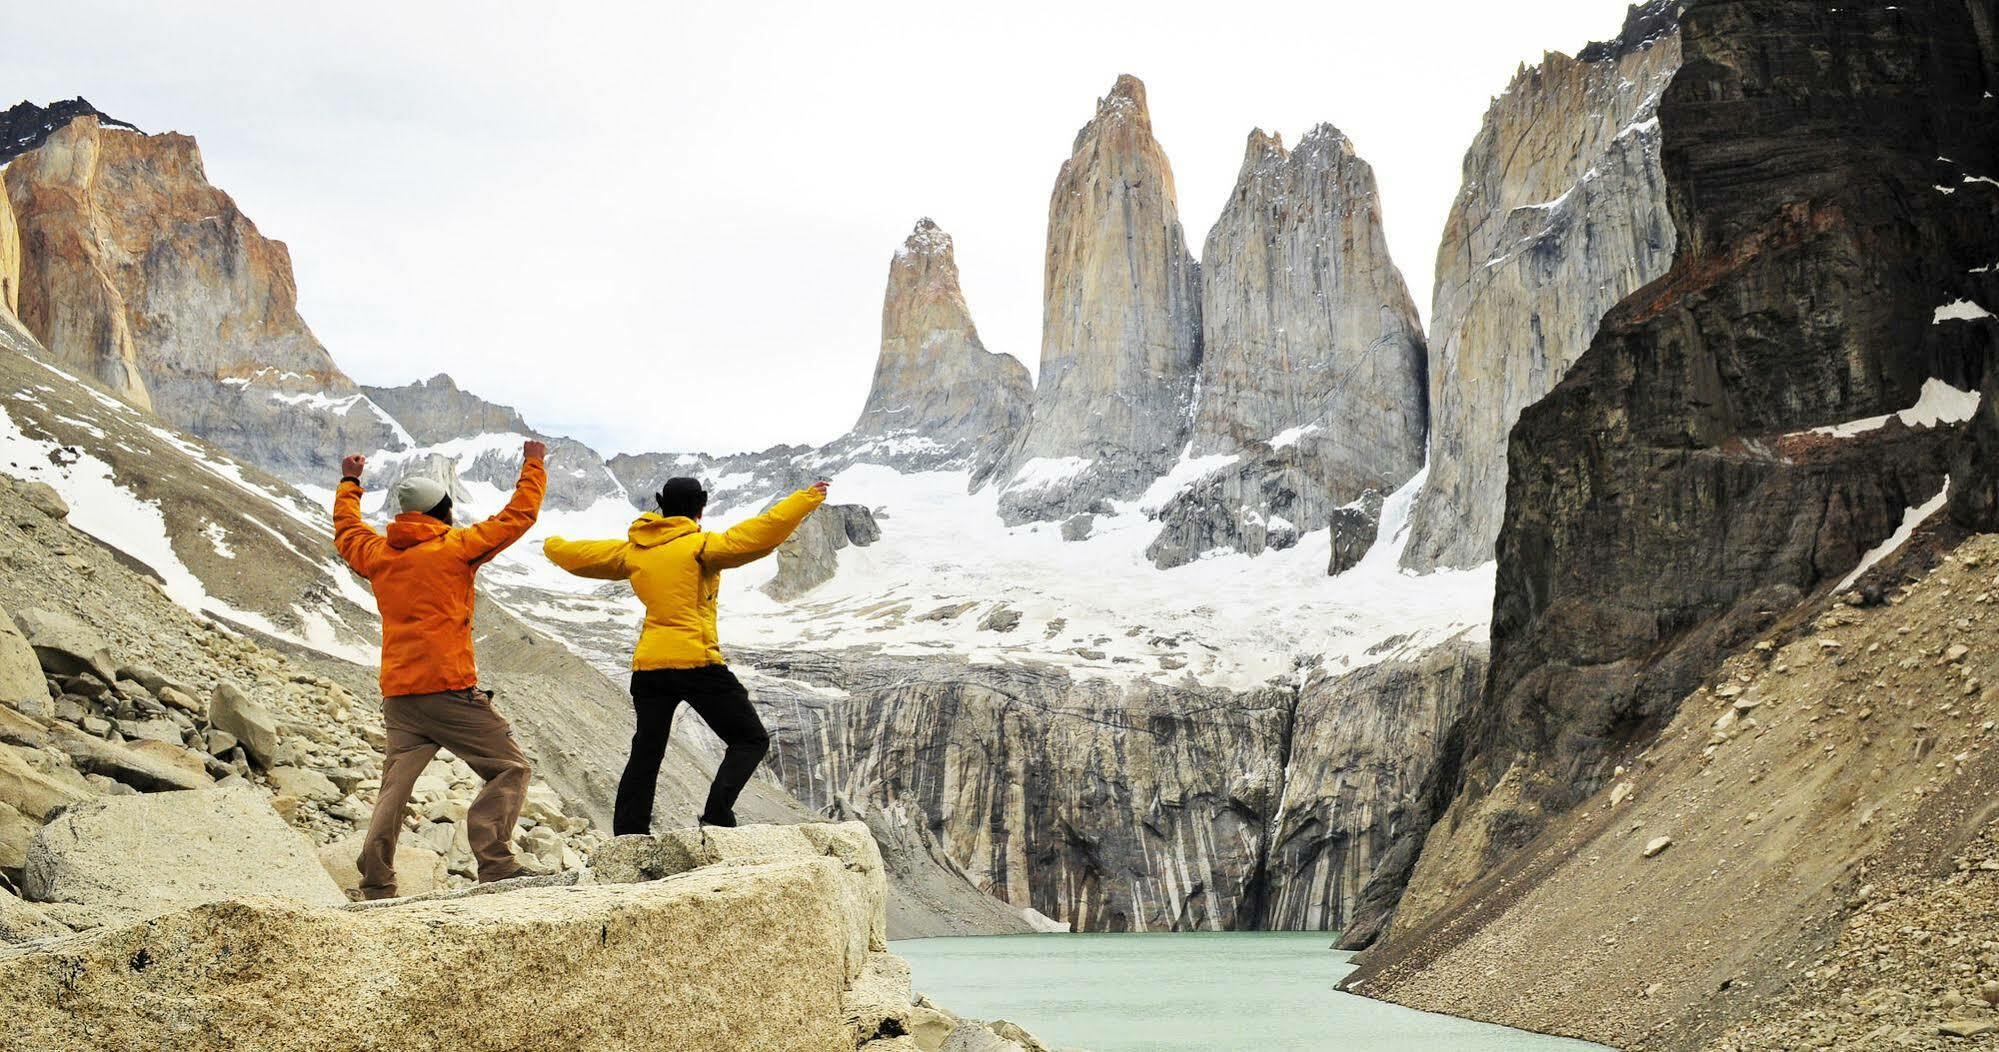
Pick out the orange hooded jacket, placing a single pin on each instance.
(422, 576)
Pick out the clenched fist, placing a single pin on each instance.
(353, 465)
(820, 486)
(533, 449)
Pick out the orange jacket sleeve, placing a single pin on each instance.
(355, 540)
(491, 537)
(752, 539)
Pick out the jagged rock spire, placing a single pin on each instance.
(1312, 355)
(1121, 322)
(1305, 318)
(934, 378)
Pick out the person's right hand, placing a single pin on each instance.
(533, 449)
(353, 465)
(819, 487)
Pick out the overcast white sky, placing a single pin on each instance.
(666, 226)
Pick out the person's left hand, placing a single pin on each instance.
(819, 487)
(353, 465)
(534, 449)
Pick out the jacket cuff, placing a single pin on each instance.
(345, 479)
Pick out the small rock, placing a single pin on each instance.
(1001, 619)
(182, 700)
(1967, 1027)
(252, 724)
(218, 742)
(1657, 845)
(299, 782)
(43, 498)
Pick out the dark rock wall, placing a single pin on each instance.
(1662, 503)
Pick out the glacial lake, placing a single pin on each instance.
(1262, 991)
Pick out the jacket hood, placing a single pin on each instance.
(412, 528)
(653, 529)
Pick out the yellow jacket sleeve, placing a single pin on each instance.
(354, 539)
(752, 539)
(604, 560)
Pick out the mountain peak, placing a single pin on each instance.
(25, 125)
(926, 239)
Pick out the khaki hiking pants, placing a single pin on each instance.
(465, 722)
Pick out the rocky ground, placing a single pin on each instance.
(764, 937)
(1803, 859)
(1916, 967)
(113, 690)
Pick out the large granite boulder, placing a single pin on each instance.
(132, 857)
(148, 766)
(66, 646)
(28, 790)
(419, 870)
(748, 956)
(636, 858)
(21, 679)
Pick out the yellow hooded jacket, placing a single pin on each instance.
(676, 571)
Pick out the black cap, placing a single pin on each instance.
(683, 497)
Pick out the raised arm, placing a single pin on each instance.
(604, 560)
(489, 538)
(354, 539)
(752, 539)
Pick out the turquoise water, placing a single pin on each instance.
(1266, 991)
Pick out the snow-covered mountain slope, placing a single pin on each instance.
(223, 539)
(948, 577)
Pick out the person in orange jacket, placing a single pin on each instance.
(422, 576)
(675, 568)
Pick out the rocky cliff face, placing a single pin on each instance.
(1312, 355)
(1355, 808)
(1562, 213)
(1132, 806)
(1742, 431)
(139, 273)
(10, 258)
(1112, 807)
(481, 441)
(937, 390)
(1121, 323)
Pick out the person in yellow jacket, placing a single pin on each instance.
(675, 568)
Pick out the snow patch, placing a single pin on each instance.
(219, 537)
(1043, 472)
(1940, 403)
(1911, 519)
(1959, 310)
(1290, 435)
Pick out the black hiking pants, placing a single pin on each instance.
(724, 705)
